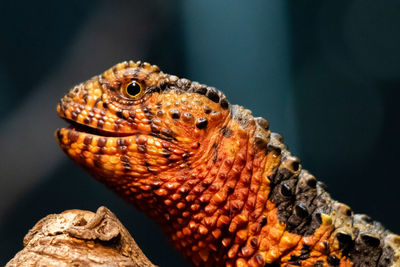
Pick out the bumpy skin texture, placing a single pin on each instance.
(224, 189)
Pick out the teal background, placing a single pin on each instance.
(326, 74)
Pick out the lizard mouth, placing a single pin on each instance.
(75, 126)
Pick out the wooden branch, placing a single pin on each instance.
(80, 238)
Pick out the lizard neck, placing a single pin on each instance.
(220, 199)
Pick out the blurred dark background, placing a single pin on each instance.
(325, 73)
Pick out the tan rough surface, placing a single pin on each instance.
(80, 238)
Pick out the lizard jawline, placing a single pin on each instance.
(73, 125)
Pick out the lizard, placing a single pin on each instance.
(224, 188)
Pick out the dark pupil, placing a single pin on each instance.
(133, 89)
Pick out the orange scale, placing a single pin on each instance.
(110, 150)
(144, 128)
(108, 126)
(90, 162)
(87, 154)
(288, 241)
(265, 244)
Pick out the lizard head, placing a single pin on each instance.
(136, 124)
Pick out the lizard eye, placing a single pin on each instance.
(132, 90)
